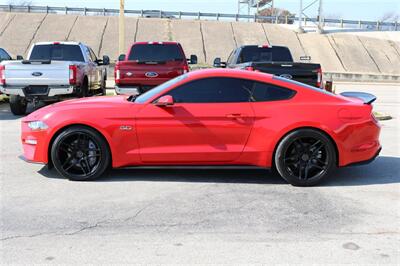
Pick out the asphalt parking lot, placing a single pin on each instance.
(202, 216)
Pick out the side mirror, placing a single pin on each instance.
(219, 63)
(20, 57)
(166, 100)
(193, 59)
(121, 57)
(106, 60)
(305, 58)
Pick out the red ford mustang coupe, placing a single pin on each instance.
(208, 117)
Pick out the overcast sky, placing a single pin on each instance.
(348, 9)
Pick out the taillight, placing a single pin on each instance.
(117, 74)
(72, 74)
(185, 69)
(319, 78)
(2, 75)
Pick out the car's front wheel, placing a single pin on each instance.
(305, 157)
(80, 153)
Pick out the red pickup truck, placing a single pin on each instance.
(149, 64)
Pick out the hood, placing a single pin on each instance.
(91, 103)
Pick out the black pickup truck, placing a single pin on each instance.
(276, 60)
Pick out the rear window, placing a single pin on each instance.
(156, 53)
(57, 52)
(265, 54)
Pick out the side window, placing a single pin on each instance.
(230, 58)
(213, 90)
(4, 55)
(92, 55)
(263, 92)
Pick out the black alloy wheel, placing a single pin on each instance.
(305, 157)
(80, 154)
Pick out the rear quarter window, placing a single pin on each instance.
(263, 92)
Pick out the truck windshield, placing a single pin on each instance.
(265, 54)
(156, 53)
(57, 52)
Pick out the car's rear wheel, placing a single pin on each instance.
(18, 105)
(305, 157)
(80, 153)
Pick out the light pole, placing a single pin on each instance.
(121, 27)
(320, 18)
(300, 28)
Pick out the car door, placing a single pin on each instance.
(209, 122)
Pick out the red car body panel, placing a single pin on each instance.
(210, 133)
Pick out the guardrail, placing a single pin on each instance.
(343, 23)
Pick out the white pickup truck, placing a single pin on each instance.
(54, 70)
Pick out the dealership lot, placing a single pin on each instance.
(202, 216)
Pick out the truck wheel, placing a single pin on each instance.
(103, 88)
(84, 89)
(18, 105)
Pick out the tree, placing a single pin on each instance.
(389, 16)
(281, 13)
(19, 3)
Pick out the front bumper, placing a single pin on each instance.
(35, 147)
(38, 91)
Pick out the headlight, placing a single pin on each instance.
(37, 125)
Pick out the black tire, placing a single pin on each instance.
(103, 87)
(305, 157)
(18, 105)
(80, 154)
(84, 89)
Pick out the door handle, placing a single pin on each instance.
(235, 115)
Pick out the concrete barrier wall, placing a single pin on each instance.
(20, 31)
(218, 39)
(110, 38)
(189, 34)
(319, 48)
(336, 52)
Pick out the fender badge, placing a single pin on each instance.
(125, 128)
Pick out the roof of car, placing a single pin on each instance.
(223, 72)
(156, 42)
(58, 42)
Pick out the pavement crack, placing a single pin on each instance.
(28, 236)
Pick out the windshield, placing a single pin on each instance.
(155, 53)
(57, 52)
(265, 54)
(151, 93)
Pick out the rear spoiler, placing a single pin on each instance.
(367, 98)
(26, 62)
